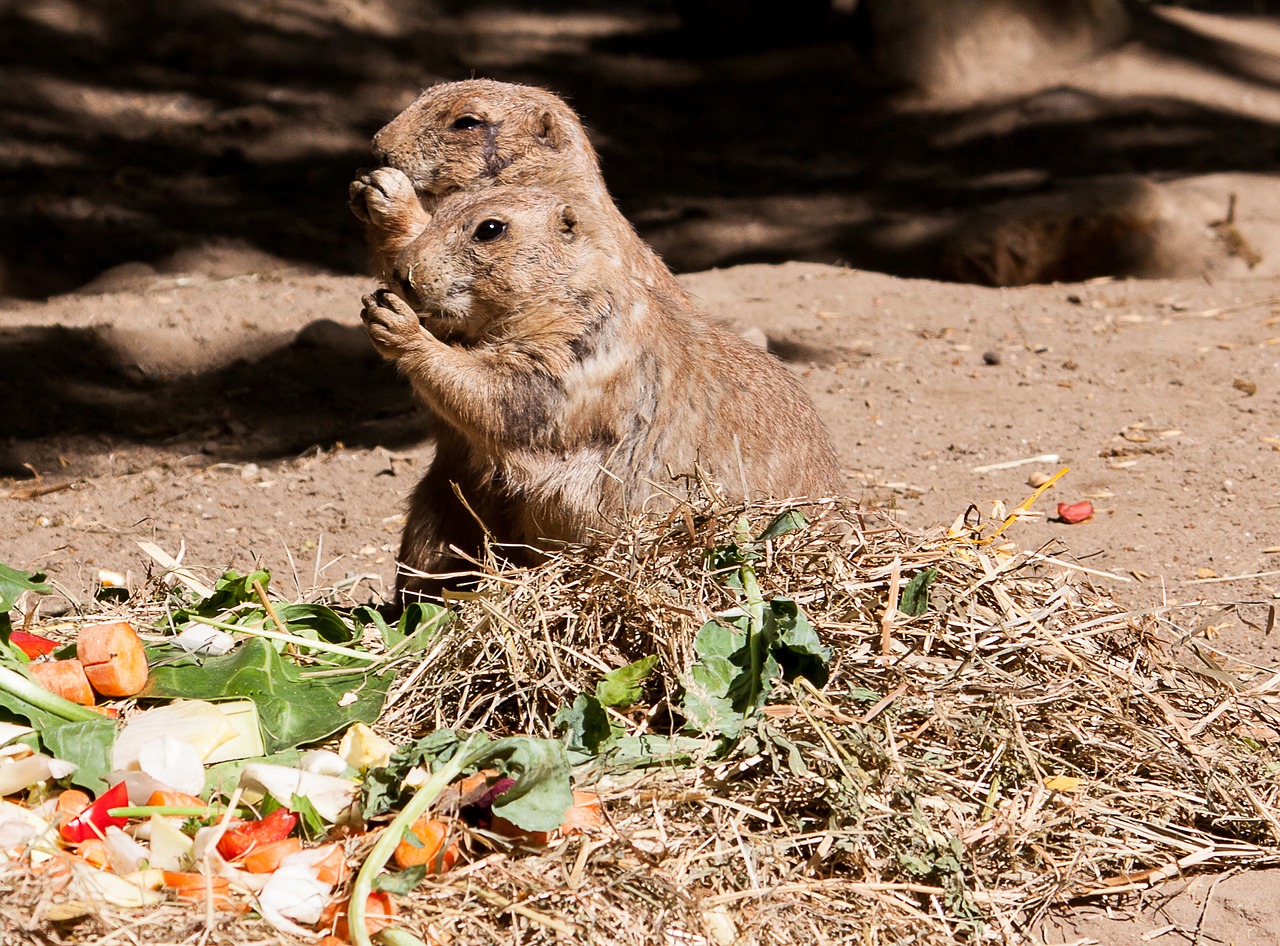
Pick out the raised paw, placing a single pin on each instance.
(393, 327)
(385, 198)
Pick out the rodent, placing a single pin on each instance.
(480, 133)
(570, 393)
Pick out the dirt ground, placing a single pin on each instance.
(181, 359)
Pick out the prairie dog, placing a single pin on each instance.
(570, 392)
(479, 133)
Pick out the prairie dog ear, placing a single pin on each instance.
(568, 222)
(547, 130)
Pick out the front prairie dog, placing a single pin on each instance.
(569, 392)
(476, 134)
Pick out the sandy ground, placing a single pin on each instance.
(200, 379)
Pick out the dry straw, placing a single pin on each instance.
(1021, 742)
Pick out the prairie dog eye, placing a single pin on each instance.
(466, 123)
(488, 231)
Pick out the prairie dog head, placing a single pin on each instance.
(478, 132)
(496, 258)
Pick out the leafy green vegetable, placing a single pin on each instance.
(536, 802)
(587, 726)
(914, 599)
(12, 584)
(404, 881)
(621, 687)
(87, 744)
(293, 709)
(67, 730)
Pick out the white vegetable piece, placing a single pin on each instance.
(330, 796)
(195, 721)
(173, 762)
(202, 639)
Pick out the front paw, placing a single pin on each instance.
(385, 198)
(392, 325)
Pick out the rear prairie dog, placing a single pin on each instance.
(570, 393)
(479, 133)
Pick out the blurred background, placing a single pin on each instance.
(1001, 142)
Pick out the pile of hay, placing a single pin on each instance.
(1019, 742)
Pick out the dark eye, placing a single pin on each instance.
(488, 231)
(467, 122)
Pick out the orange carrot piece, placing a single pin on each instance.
(71, 802)
(331, 867)
(93, 851)
(114, 659)
(195, 887)
(331, 940)
(266, 857)
(171, 798)
(429, 848)
(379, 911)
(66, 678)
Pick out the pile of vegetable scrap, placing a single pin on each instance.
(774, 724)
(190, 800)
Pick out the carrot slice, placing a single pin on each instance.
(114, 659)
(427, 846)
(265, 858)
(93, 851)
(171, 798)
(71, 802)
(64, 677)
(196, 887)
(331, 867)
(379, 911)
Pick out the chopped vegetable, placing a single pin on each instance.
(114, 659)
(265, 858)
(66, 678)
(33, 645)
(200, 887)
(246, 836)
(94, 820)
(425, 843)
(1072, 513)
(379, 911)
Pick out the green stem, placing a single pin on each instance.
(175, 811)
(394, 834)
(755, 627)
(28, 691)
(323, 646)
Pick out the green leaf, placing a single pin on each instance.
(87, 744)
(621, 687)
(800, 652)
(586, 723)
(315, 621)
(541, 795)
(914, 599)
(313, 825)
(789, 521)
(293, 710)
(12, 584)
(402, 882)
(383, 786)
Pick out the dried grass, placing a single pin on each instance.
(927, 793)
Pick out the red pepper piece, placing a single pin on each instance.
(33, 645)
(243, 837)
(94, 820)
(1071, 513)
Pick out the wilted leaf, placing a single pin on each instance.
(586, 725)
(621, 687)
(914, 600)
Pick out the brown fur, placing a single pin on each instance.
(569, 391)
(518, 135)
